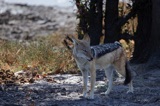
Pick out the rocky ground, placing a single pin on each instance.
(66, 90)
(24, 22)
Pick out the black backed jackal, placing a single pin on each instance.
(89, 58)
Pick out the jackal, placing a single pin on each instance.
(89, 58)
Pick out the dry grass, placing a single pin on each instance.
(47, 54)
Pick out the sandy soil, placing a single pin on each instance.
(66, 90)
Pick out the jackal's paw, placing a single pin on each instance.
(85, 94)
(130, 91)
(107, 92)
(90, 96)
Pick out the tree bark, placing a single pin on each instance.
(141, 49)
(154, 61)
(82, 15)
(95, 21)
(111, 18)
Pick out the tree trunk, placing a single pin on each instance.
(82, 15)
(95, 21)
(154, 61)
(111, 18)
(142, 36)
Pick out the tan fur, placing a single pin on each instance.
(82, 55)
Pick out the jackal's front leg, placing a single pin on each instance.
(85, 80)
(93, 79)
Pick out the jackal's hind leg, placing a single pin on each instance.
(109, 75)
(130, 87)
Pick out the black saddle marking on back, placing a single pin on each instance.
(100, 50)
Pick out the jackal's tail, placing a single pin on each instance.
(128, 76)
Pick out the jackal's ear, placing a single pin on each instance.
(69, 38)
(86, 37)
(74, 39)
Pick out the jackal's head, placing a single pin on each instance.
(81, 49)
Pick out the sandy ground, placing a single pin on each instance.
(25, 22)
(66, 90)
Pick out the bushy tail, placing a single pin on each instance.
(128, 76)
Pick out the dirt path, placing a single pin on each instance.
(66, 91)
